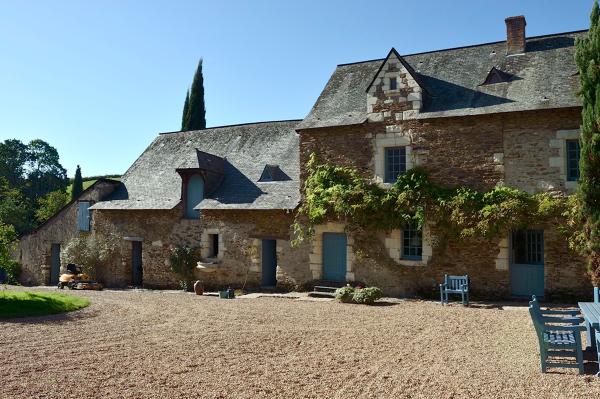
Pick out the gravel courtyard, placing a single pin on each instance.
(153, 344)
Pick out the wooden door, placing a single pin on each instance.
(527, 263)
(136, 262)
(334, 257)
(54, 263)
(269, 263)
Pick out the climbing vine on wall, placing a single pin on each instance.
(340, 193)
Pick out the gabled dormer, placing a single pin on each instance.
(496, 75)
(273, 173)
(199, 179)
(396, 91)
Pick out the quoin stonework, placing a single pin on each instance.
(503, 113)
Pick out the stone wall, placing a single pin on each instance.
(479, 152)
(534, 149)
(34, 248)
(240, 234)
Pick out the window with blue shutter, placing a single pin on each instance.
(194, 194)
(395, 163)
(412, 243)
(572, 160)
(83, 216)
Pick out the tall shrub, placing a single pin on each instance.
(77, 184)
(587, 57)
(183, 262)
(196, 113)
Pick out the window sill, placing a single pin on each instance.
(208, 265)
(412, 262)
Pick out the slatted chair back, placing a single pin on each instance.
(455, 283)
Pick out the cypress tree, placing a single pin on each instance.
(77, 184)
(196, 119)
(587, 56)
(186, 108)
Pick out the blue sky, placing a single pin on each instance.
(98, 80)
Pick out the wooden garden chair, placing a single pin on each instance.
(455, 285)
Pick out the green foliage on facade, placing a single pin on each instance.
(93, 253)
(50, 204)
(184, 260)
(341, 193)
(587, 57)
(77, 187)
(195, 117)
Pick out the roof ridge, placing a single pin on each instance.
(233, 125)
(467, 46)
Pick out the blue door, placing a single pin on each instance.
(54, 263)
(527, 263)
(269, 263)
(334, 257)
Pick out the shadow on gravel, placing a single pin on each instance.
(53, 319)
(385, 303)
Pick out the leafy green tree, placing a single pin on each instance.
(588, 61)
(45, 173)
(8, 237)
(186, 110)
(196, 119)
(50, 204)
(13, 158)
(14, 209)
(77, 184)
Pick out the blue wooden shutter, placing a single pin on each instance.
(83, 216)
(194, 194)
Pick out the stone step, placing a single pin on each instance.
(321, 294)
(323, 288)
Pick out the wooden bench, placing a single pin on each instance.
(557, 342)
(553, 316)
(455, 285)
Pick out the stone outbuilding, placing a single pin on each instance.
(230, 191)
(39, 250)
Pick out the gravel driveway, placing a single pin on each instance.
(153, 344)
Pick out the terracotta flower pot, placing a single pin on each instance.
(198, 288)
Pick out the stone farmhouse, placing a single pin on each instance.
(477, 116)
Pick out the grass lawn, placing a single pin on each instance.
(24, 303)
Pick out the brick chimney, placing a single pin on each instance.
(515, 35)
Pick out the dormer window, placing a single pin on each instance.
(393, 84)
(194, 193)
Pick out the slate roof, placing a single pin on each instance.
(152, 182)
(542, 78)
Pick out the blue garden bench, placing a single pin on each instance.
(557, 342)
(562, 316)
(455, 285)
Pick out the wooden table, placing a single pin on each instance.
(591, 314)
